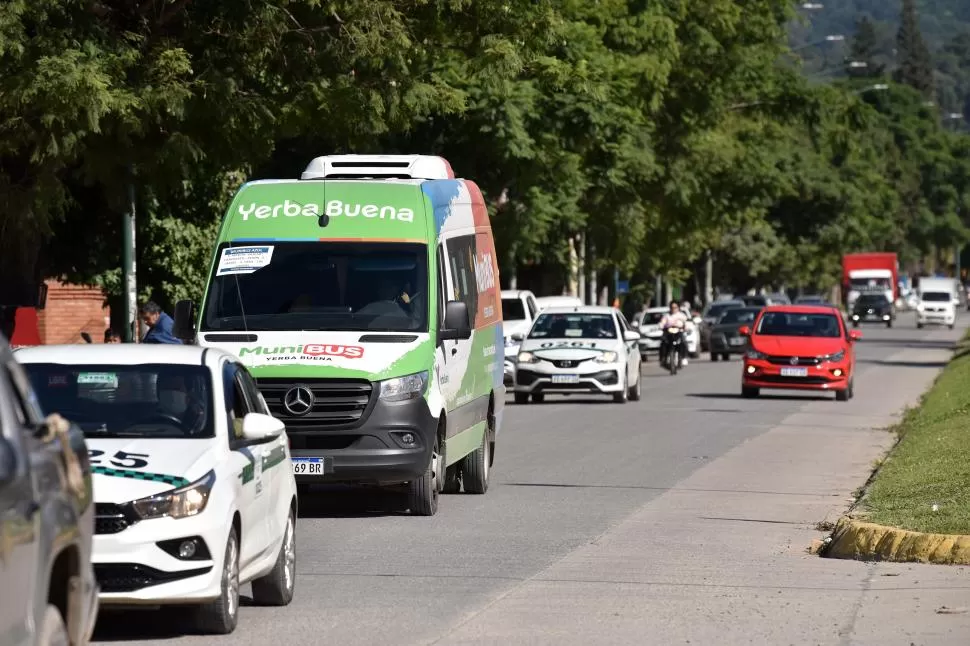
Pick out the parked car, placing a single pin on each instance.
(726, 337)
(193, 484)
(46, 520)
(709, 317)
(519, 311)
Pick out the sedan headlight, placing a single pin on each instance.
(754, 354)
(835, 356)
(187, 501)
(527, 357)
(404, 388)
(607, 357)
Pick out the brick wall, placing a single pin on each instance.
(70, 310)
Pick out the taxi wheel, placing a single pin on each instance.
(538, 398)
(423, 490)
(276, 588)
(53, 632)
(715, 356)
(521, 398)
(622, 396)
(636, 390)
(220, 616)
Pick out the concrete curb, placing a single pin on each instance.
(854, 539)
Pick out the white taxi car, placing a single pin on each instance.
(648, 324)
(193, 488)
(583, 349)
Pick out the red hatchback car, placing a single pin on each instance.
(794, 347)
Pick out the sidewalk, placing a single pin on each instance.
(733, 539)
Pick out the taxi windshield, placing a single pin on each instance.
(144, 400)
(573, 325)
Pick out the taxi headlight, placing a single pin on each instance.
(403, 388)
(607, 357)
(527, 357)
(184, 502)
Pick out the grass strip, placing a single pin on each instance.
(924, 483)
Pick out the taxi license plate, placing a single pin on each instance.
(794, 372)
(311, 466)
(737, 341)
(565, 379)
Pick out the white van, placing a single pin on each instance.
(937, 302)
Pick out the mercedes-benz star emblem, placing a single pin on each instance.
(298, 400)
(794, 361)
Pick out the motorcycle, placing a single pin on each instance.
(673, 349)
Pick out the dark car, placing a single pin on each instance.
(811, 299)
(873, 308)
(709, 317)
(726, 337)
(46, 521)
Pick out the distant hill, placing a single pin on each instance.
(945, 25)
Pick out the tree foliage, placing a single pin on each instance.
(658, 133)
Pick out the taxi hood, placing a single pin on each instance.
(131, 468)
(555, 349)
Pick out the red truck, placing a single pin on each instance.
(870, 272)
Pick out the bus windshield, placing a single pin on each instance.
(353, 286)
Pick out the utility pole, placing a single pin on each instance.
(128, 264)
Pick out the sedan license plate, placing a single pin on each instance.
(565, 379)
(310, 466)
(737, 341)
(794, 372)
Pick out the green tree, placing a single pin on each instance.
(865, 49)
(915, 63)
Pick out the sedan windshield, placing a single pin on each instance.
(652, 318)
(145, 400)
(739, 315)
(354, 286)
(573, 326)
(512, 309)
(936, 297)
(798, 324)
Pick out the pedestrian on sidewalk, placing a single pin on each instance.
(160, 325)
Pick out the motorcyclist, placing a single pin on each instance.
(673, 319)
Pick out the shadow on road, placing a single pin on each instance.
(904, 364)
(908, 343)
(136, 624)
(341, 501)
(770, 396)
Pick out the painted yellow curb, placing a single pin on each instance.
(854, 539)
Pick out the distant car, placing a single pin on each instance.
(873, 308)
(779, 298)
(799, 347)
(647, 323)
(545, 302)
(519, 310)
(726, 337)
(585, 349)
(709, 317)
(46, 521)
(194, 488)
(811, 299)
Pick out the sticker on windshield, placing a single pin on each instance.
(243, 260)
(99, 378)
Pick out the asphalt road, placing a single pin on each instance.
(682, 518)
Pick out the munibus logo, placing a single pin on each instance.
(310, 350)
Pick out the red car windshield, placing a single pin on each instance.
(799, 324)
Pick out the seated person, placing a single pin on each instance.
(180, 402)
